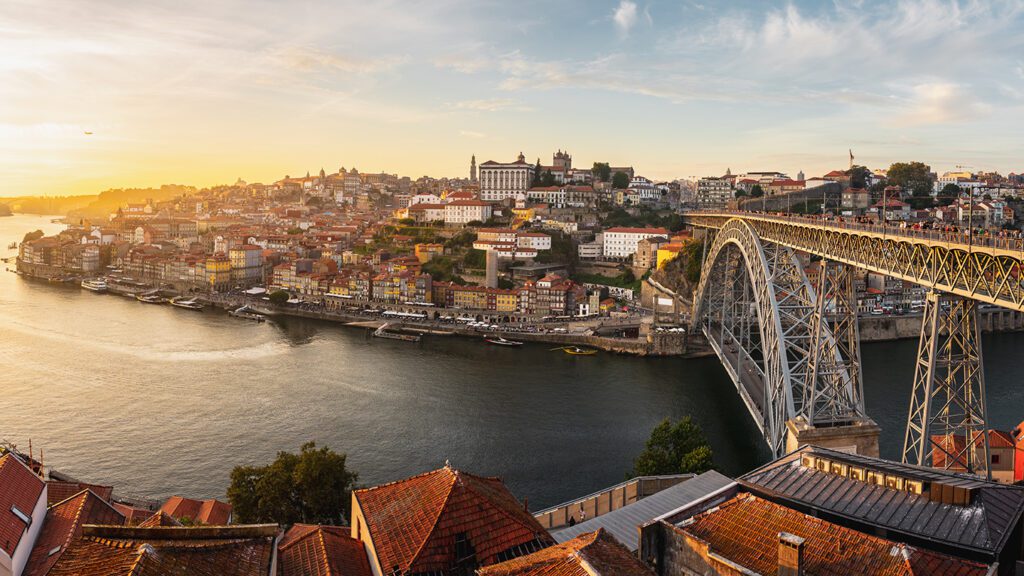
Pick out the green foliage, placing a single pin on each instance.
(643, 216)
(858, 176)
(474, 259)
(461, 240)
(601, 171)
(620, 181)
(505, 284)
(623, 280)
(692, 251)
(756, 191)
(547, 179)
(679, 448)
(562, 251)
(948, 194)
(312, 487)
(440, 268)
(740, 193)
(32, 236)
(407, 221)
(913, 176)
(279, 297)
(294, 230)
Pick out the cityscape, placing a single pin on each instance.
(562, 352)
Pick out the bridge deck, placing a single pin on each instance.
(983, 267)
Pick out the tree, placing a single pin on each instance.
(32, 236)
(601, 171)
(312, 487)
(548, 179)
(279, 297)
(756, 191)
(948, 194)
(679, 448)
(536, 174)
(913, 176)
(858, 176)
(620, 180)
(740, 193)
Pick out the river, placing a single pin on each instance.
(157, 400)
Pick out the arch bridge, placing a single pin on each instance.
(790, 343)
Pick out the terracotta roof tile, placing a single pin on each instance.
(211, 512)
(58, 491)
(307, 550)
(414, 523)
(63, 525)
(133, 551)
(133, 516)
(19, 488)
(746, 531)
(159, 519)
(591, 554)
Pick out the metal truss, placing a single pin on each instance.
(835, 391)
(947, 422)
(756, 307)
(981, 273)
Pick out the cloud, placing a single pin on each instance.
(491, 105)
(625, 16)
(309, 59)
(943, 103)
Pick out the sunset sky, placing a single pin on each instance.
(203, 92)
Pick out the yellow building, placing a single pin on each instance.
(521, 216)
(218, 273)
(470, 298)
(427, 252)
(506, 301)
(667, 253)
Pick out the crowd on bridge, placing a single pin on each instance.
(1004, 239)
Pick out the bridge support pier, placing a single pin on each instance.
(857, 437)
(948, 414)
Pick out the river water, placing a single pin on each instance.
(158, 400)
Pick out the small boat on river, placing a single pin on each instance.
(95, 284)
(190, 304)
(577, 351)
(499, 341)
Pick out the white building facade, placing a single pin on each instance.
(502, 181)
(622, 242)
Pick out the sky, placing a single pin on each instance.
(203, 92)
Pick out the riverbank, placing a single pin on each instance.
(654, 344)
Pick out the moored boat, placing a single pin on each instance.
(189, 304)
(499, 341)
(151, 299)
(95, 284)
(576, 350)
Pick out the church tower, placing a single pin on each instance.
(472, 169)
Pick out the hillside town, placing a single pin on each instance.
(515, 245)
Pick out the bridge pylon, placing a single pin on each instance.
(948, 417)
(832, 412)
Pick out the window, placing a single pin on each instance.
(995, 458)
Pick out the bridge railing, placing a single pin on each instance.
(1003, 240)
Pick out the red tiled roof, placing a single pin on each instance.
(594, 553)
(21, 488)
(63, 525)
(413, 522)
(212, 512)
(58, 491)
(746, 530)
(307, 550)
(117, 551)
(159, 519)
(132, 516)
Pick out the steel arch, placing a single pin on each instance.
(757, 308)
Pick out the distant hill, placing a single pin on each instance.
(48, 204)
(94, 205)
(110, 200)
(5, 210)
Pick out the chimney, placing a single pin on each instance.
(791, 555)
